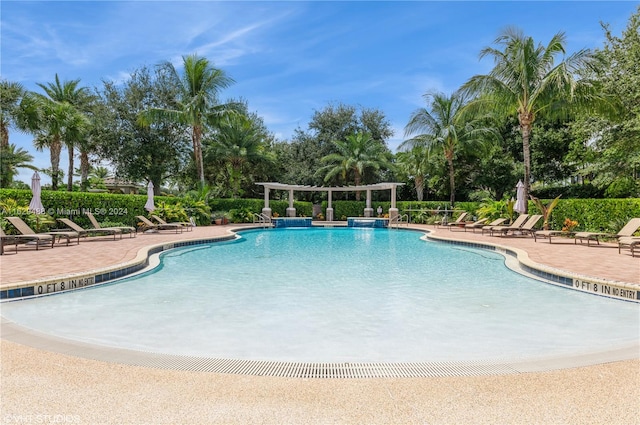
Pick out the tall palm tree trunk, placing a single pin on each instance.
(356, 180)
(54, 153)
(70, 172)
(84, 170)
(526, 120)
(197, 153)
(452, 180)
(419, 183)
(4, 135)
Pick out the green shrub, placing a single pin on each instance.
(256, 205)
(171, 212)
(593, 215)
(241, 215)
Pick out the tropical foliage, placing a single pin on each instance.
(445, 125)
(197, 102)
(356, 157)
(566, 122)
(527, 80)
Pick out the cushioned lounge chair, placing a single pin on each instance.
(516, 223)
(462, 224)
(22, 239)
(627, 231)
(631, 242)
(549, 234)
(24, 229)
(86, 232)
(148, 225)
(479, 225)
(457, 221)
(185, 224)
(526, 228)
(132, 231)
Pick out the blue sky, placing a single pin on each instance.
(288, 58)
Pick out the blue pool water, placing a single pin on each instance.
(331, 295)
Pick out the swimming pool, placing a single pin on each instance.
(335, 295)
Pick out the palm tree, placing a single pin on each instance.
(354, 156)
(12, 158)
(445, 125)
(414, 163)
(52, 123)
(10, 95)
(237, 143)
(197, 105)
(527, 81)
(77, 98)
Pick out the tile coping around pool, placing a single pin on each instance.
(603, 287)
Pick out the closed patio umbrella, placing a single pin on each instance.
(149, 205)
(521, 203)
(35, 206)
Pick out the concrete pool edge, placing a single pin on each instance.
(289, 369)
(107, 274)
(624, 291)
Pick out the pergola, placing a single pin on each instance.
(368, 188)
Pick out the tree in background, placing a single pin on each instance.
(197, 102)
(78, 98)
(527, 81)
(446, 126)
(56, 119)
(616, 144)
(11, 93)
(139, 152)
(356, 155)
(237, 148)
(12, 158)
(414, 164)
(302, 157)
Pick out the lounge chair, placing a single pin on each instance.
(516, 223)
(185, 224)
(24, 229)
(549, 234)
(458, 221)
(526, 228)
(148, 225)
(86, 232)
(17, 239)
(132, 231)
(627, 231)
(464, 225)
(481, 224)
(632, 242)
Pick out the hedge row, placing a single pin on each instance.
(593, 215)
(607, 215)
(303, 209)
(106, 207)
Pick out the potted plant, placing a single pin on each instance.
(220, 217)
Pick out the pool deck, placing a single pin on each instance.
(36, 382)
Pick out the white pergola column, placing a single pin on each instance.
(368, 211)
(266, 210)
(329, 212)
(393, 211)
(291, 211)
